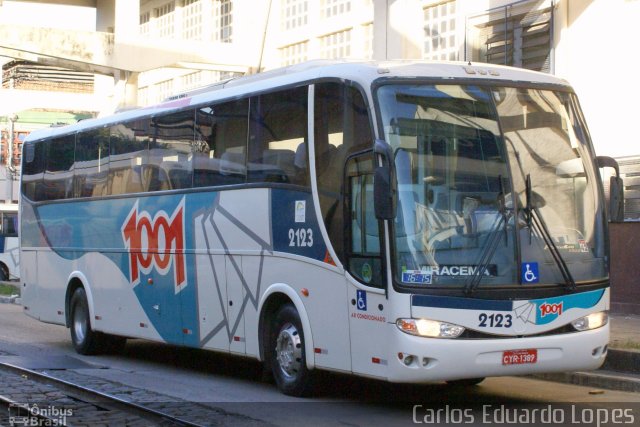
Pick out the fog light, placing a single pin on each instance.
(429, 328)
(592, 321)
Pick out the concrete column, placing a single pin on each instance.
(208, 23)
(397, 29)
(6, 185)
(125, 90)
(105, 16)
(380, 25)
(177, 21)
(131, 89)
(405, 29)
(315, 18)
(250, 15)
(127, 19)
(120, 17)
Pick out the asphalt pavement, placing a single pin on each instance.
(621, 370)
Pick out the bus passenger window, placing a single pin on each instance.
(301, 165)
(129, 152)
(170, 152)
(278, 127)
(9, 224)
(32, 170)
(58, 175)
(341, 128)
(220, 144)
(91, 167)
(364, 260)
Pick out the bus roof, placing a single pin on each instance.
(364, 73)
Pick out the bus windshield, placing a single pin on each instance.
(496, 187)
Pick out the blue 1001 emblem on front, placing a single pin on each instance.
(418, 277)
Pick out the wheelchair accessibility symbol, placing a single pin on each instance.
(529, 272)
(361, 300)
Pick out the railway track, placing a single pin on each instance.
(38, 398)
(19, 413)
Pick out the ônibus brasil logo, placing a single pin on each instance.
(155, 243)
(547, 308)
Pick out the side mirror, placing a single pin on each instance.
(616, 199)
(616, 189)
(383, 188)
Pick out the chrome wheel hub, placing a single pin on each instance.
(80, 322)
(289, 350)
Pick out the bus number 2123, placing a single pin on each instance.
(495, 320)
(301, 237)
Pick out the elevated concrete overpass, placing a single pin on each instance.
(102, 53)
(117, 50)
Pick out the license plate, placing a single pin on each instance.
(520, 357)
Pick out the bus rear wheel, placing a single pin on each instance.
(288, 355)
(85, 340)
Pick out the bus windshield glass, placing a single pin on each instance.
(496, 187)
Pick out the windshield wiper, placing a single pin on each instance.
(535, 220)
(494, 237)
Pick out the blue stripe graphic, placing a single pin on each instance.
(461, 303)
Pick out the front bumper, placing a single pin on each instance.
(451, 359)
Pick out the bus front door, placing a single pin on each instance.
(365, 275)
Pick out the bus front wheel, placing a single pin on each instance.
(288, 356)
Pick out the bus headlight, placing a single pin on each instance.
(592, 321)
(429, 328)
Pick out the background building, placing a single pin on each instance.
(98, 56)
(64, 60)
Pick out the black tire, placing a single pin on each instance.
(287, 353)
(467, 382)
(4, 273)
(85, 340)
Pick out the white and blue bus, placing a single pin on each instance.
(410, 222)
(9, 243)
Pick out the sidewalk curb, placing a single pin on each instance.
(619, 360)
(8, 299)
(620, 372)
(15, 297)
(600, 379)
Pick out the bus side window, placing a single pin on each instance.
(9, 224)
(278, 127)
(58, 174)
(220, 144)
(32, 170)
(91, 167)
(129, 151)
(341, 127)
(364, 260)
(170, 152)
